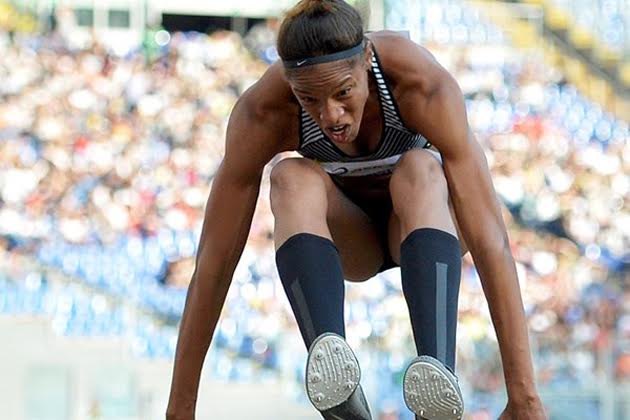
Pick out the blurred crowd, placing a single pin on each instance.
(107, 162)
(606, 22)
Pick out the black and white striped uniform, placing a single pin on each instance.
(395, 139)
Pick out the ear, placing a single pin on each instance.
(367, 55)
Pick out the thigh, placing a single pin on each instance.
(323, 209)
(395, 231)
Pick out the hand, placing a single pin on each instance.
(531, 409)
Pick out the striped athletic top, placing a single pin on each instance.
(396, 138)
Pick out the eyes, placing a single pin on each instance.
(308, 100)
(342, 94)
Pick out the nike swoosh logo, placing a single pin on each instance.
(299, 63)
(339, 171)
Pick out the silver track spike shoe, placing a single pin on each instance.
(332, 380)
(431, 391)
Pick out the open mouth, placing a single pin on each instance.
(339, 133)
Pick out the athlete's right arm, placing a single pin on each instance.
(254, 136)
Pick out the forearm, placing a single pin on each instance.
(203, 306)
(500, 284)
(228, 218)
(479, 214)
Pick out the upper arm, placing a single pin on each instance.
(435, 107)
(254, 136)
(249, 145)
(262, 124)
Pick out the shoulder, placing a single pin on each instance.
(269, 110)
(269, 97)
(263, 123)
(424, 89)
(410, 67)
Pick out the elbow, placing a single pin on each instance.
(492, 245)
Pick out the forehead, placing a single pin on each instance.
(324, 76)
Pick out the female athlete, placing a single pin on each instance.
(390, 175)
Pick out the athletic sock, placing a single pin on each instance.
(312, 277)
(430, 264)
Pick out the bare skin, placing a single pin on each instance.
(304, 199)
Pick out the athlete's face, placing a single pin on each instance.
(334, 95)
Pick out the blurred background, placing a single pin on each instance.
(112, 123)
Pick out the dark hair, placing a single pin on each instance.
(319, 27)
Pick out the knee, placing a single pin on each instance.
(418, 171)
(296, 179)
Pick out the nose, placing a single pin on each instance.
(330, 112)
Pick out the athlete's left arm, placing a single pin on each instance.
(436, 108)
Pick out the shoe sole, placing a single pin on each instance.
(332, 372)
(431, 390)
